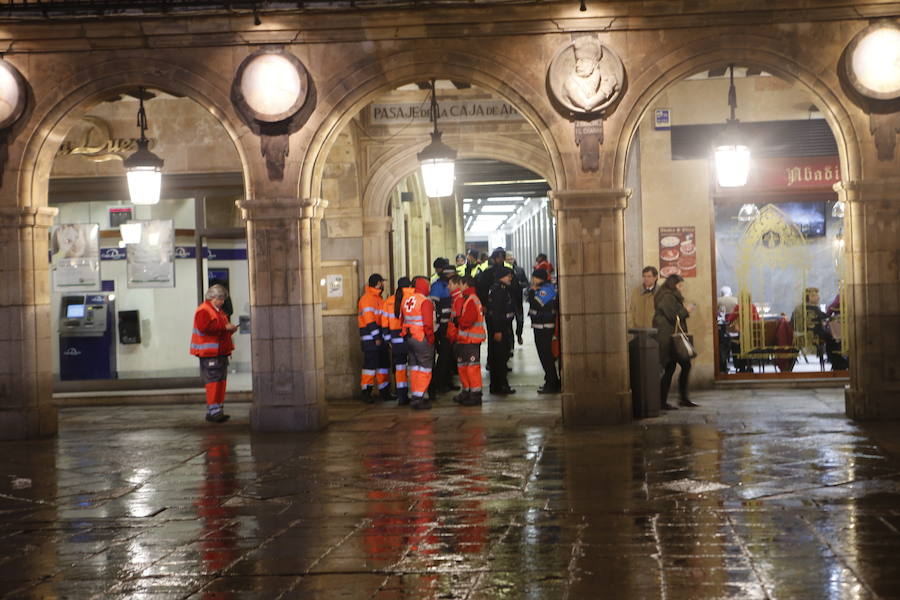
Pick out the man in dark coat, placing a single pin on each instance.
(500, 314)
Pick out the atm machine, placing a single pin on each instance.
(87, 337)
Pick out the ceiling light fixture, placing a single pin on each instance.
(438, 160)
(732, 156)
(143, 168)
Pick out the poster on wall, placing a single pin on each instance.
(75, 257)
(677, 251)
(151, 263)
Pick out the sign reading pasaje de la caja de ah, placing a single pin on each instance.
(395, 113)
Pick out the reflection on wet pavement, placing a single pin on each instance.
(757, 494)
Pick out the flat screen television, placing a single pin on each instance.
(75, 311)
(808, 216)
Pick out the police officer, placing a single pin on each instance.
(500, 314)
(543, 302)
(441, 297)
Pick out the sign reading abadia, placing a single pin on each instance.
(805, 173)
(450, 110)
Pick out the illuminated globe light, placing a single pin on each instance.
(438, 164)
(875, 61)
(10, 95)
(732, 165)
(271, 85)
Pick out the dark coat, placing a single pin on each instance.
(669, 305)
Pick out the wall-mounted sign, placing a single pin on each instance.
(678, 251)
(334, 285)
(151, 263)
(92, 138)
(119, 215)
(788, 174)
(75, 257)
(662, 118)
(395, 113)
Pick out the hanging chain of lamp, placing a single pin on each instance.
(437, 160)
(143, 168)
(732, 156)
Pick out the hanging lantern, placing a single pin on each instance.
(838, 210)
(748, 212)
(437, 160)
(143, 168)
(732, 156)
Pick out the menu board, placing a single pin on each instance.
(677, 251)
(75, 257)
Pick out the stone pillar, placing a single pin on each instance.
(26, 379)
(872, 296)
(376, 247)
(283, 242)
(591, 264)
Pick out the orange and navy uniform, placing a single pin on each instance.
(392, 329)
(370, 335)
(471, 330)
(418, 330)
(211, 336)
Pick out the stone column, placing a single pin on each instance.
(591, 264)
(26, 380)
(376, 247)
(872, 296)
(283, 242)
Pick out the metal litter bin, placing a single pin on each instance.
(643, 358)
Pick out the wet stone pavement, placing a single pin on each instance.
(757, 494)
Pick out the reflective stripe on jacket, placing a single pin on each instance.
(476, 332)
(210, 336)
(391, 323)
(369, 316)
(418, 316)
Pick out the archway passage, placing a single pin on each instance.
(109, 300)
(502, 178)
(763, 261)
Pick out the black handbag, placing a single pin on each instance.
(682, 343)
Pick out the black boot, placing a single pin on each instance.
(472, 399)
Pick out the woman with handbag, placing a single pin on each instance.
(675, 347)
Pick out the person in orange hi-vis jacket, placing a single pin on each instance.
(375, 377)
(392, 329)
(470, 332)
(417, 312)
(211, 343)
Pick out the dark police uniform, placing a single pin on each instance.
(500, 314)
(543, 309)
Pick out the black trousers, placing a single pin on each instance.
(498, 355)
(543, 339)
(444, 365)
(683, 377)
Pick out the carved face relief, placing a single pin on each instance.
(585, 77)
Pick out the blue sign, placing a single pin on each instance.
(116, 253)
(112, 253)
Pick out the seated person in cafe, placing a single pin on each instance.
(817, 328)
(733, 323)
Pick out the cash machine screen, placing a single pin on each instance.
(75, 311)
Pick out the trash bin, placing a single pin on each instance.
(643, 358)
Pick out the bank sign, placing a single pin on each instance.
(398, 113)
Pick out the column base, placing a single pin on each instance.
(868, 406)
(590, 410)
(28, 423)
(272, 419)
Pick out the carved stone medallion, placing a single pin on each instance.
(585, 78)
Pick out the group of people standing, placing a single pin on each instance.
(662, 306)
(432, 329)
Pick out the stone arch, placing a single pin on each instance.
(377, 75)
(390, 171)
(770, 54)
(90, 84)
